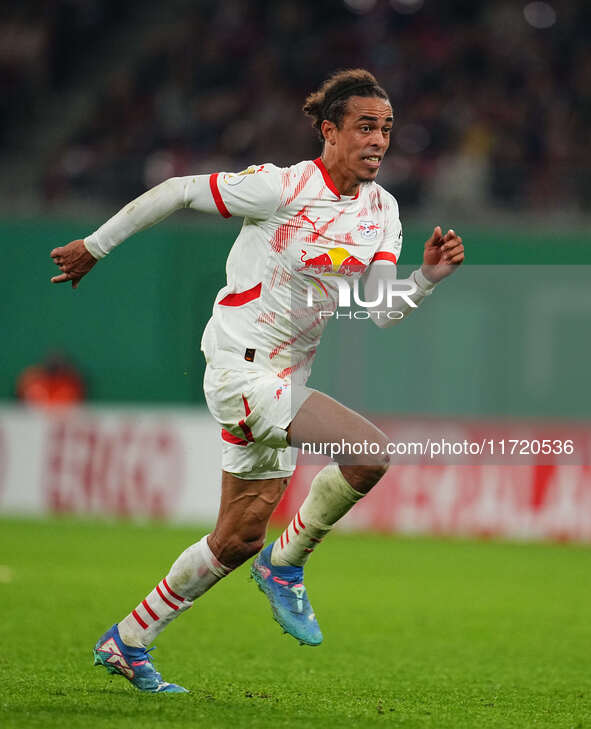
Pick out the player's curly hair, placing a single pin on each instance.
(330, 100)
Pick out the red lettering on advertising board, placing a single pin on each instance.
(535, 501)
(120, 466)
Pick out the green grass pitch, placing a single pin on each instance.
(417, 633)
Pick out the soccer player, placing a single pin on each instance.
(309, 226)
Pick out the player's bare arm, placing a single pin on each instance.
(78, 257)
(193, 191)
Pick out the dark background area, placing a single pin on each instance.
(103, 98)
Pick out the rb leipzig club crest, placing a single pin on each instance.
(368, 229)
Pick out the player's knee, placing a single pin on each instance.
(371, 473)
(364, 476)
(375, 463)
(381, 465)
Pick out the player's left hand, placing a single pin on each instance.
(74, 261)
(442, 255)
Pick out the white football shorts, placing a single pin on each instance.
(254, 409)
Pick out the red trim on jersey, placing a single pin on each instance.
(217, 198)
(165, 599)
(229, 438)
(242, 297)
(300, 520)
(384, 256)
(149, 610)
(172, 592)
(328, 179)
(293, 523)
(139, 620)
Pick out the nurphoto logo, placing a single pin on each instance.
(387, 292)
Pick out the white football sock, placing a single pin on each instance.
(330, 497)
(193, 573)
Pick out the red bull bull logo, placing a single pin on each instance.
(336, 261)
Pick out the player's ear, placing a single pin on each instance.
(328, 130)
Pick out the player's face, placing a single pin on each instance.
(364, 137)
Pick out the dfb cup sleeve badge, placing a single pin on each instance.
(368, 229)
(235, 178)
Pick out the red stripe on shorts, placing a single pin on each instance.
(246, 406)
(229, 438)
(247, 431)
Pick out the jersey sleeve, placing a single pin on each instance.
(391, 245)
(253, 193)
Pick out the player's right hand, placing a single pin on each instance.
(73, 260)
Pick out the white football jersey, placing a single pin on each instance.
(298, 237)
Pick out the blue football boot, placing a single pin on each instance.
(135, 664)
(287, 595)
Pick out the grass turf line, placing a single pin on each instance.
(418, 633)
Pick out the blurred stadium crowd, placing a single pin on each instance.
(492, 100)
